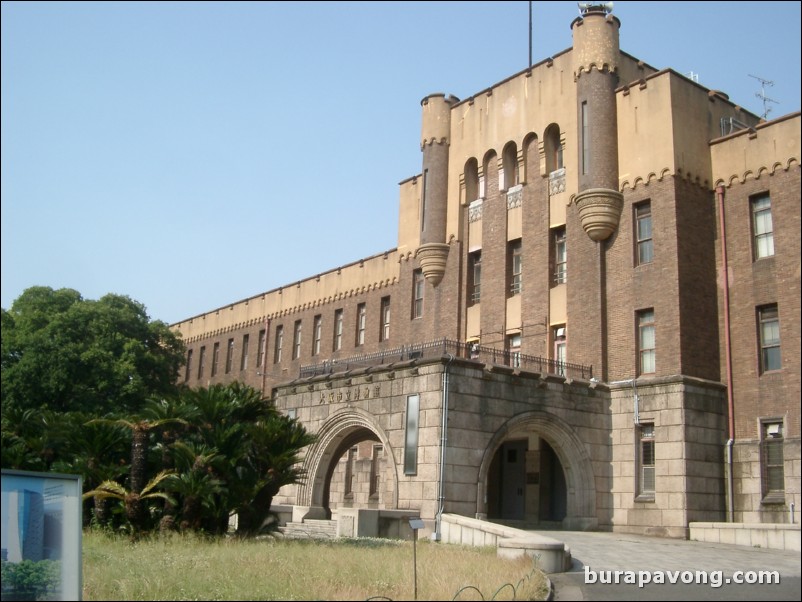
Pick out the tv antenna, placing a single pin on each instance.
(762, 95)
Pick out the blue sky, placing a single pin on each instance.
(193, 154)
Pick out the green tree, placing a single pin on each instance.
(64, 353)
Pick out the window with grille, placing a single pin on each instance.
(772, 462)
(646, 474)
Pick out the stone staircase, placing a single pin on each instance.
(310, 529)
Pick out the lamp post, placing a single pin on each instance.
(415, 523)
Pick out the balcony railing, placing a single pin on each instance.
(442, 347)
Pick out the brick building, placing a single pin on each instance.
(591, 318)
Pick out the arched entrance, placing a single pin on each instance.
(351, 465)
(536, 471)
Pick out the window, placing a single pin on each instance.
(646, 349)
(349, 471)
(475, 276)
(279, 344)
(243, 363)
(643, 233)
(514, 350)
(384, 333)
(189, 365)
(201, 362)
(559, 350)
(411, 435)
(515, 267)
(215, 358)
(296, 340)
(553, 148)
(560, 257)
(229, 355)
(762, 228)
(317, 334)
(375, 467)
(769, 325)
(585, 138)
(417, 294)
(423, 200)
(361, 318)
(260, 353)
(646, 461)
(771, 461)
(338, 330)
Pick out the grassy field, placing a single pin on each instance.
(192, 568)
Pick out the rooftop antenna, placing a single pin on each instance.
(762, 95)
(530, 34)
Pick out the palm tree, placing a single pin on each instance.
(195, 483)
(133, 501)
(141, 429)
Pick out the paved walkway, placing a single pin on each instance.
(595, 552)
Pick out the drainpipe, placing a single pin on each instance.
(728, 353)
(441, 488)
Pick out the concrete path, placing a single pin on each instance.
(650, 558)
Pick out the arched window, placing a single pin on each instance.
(509, 165)
(472, 180)
(553, 148)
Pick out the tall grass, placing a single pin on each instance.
(193, 568)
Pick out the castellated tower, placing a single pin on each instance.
(596, 55)
(435, 137)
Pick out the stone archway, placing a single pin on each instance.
(572, 455)
(334, 436)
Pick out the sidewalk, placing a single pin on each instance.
(633, 553)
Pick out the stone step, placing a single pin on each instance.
(310, 529)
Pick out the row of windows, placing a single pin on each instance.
(771, 461)
(337, 339)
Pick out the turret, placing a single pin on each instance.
(595, 56)
(435, 137)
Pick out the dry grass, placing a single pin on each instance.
(191, 568)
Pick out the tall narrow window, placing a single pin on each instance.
(475, 275)
(585, 138)
(317, 334)
(646, 347)
(514, 350)
(349, 471)
(411, 435)
(229, 355)
(296, 340)
(646, 479)
(215, 358)
(338, 330)
(515, 267)
(201, 362)
(375, 470)
(189, 365)
(384, 333)
(423, 200)
(560, 257)
(361, 321)
(417, 294)
(762, 227)
(772, 461)
(260, 353)
(279, 344)
(643, 227)
(243, 362)
(560, 348)
(769, 324)
(553, 148)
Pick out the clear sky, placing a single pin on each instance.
(193, 154)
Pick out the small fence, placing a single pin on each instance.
(443, 347)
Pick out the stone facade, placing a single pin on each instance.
(591, 226)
